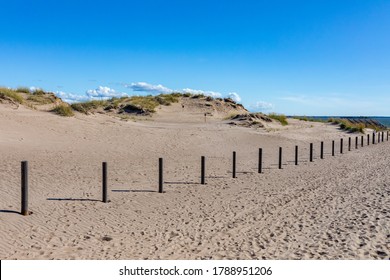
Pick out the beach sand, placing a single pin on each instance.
(332, 208)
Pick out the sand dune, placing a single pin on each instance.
(335, 208)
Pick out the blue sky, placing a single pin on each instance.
(291, 57)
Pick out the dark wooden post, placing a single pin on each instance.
(234, 165)
(383, 136)
(203, 170)
(387, 136)
(260, 160)
(296, 155)
(311, 152)
(280, 157)
(368, 139)
(362, 139)
(332, 147)
(349, 143)
(160, 175)
(104, 181)
(341, 145)
(24, 170)
(373, 138)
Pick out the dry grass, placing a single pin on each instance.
(279, 117)
(63, 110)
(11, 94)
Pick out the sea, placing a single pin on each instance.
(382, 120)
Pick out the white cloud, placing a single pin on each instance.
(98, 93)
(145, 87)
(204, 92)
(70, 97)
(262, 106)
(104, 93)
(32, 89)
(234, 96)
(157, 89)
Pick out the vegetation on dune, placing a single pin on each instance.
(86, 107)
(279, 117)
(309, 119)
(63, 110)
(23, 95)
(23, 89)
(11, 94)
(357, 126)
(147, 104)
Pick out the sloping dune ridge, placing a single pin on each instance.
(331, 208)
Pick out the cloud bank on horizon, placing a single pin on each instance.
(104, 93)
(155, 89)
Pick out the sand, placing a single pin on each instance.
(332, 208)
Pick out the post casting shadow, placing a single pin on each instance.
(9, 211)
(128, 191)
(72, 199)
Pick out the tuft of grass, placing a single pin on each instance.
(40, 99)
(63, 110)
(279, 117)
(147, 103)
(86, 107)
(12, 94)
(23, 89)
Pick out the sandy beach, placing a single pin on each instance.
(331, 208)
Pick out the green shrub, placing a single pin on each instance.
(63, 110)
(279, 117)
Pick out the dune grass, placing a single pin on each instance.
(23, 89)
(11, 94)
(345, 124)
(86, 107)
(148, 103)
(63, 110)
(279, 117)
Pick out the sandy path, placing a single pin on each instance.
(336, 208)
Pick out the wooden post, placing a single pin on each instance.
(341, 145)
(373, 138)
(362, 140)
(332, 147)
(160, 175)
(383, 136)
(203, 170)
(104, 181)
(24, 169)
(311, 152)
(322, 150)
(368, 139)
(280, 157)
(356, 142)
(260, 160)
(296, 155)
(349, 143)
(234, 165)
